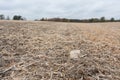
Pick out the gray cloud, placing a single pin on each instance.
(33, 9)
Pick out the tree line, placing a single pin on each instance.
(102, 19)
(15, 17)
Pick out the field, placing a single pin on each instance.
(41, 51)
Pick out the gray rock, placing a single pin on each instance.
(74, 54)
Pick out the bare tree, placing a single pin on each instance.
(7, 18)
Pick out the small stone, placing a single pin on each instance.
(74, 54)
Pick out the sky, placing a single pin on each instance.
(75, 9)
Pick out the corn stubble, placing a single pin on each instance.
(41, 51)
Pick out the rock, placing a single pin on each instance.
(74, 54)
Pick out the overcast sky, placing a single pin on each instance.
(80, 9)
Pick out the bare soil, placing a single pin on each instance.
(41, 51)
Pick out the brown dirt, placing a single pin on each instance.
(40, 51)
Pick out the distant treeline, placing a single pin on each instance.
(102, 19)
(15, 17)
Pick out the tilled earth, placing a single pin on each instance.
(41, 51)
